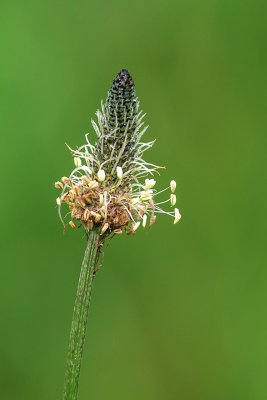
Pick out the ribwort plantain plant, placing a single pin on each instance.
(110, 191)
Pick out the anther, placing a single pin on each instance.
(177, 216)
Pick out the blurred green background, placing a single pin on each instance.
(177, 312)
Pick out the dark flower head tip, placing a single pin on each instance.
(124, 78)
(124, 72)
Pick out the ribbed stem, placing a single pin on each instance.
(80, 317)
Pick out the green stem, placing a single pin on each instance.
(80, 316)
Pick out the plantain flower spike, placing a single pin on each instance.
(112, 187)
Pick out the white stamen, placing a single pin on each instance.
(146, 195)
(93, 185)
(177, 216)
(152, 220)
(87, 169)
(135, 200)
(96, 216)
(136, 226)
(173, 186)
(119, 173)
(173, 199)
(77, 162)
(144, 220)
(149, 183)
(101, 175)
(104, 228)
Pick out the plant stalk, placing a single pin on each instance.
(80, 316)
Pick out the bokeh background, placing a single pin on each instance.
(177, 312)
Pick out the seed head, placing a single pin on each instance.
(112, 187)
